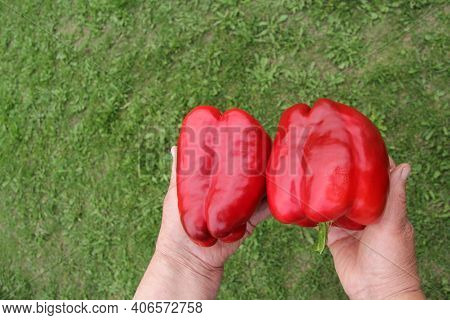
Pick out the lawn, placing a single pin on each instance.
(92, 95)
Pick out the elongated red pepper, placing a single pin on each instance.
(328, 163)
(220, 173)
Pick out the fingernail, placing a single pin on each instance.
(405, 172)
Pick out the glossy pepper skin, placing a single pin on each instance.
(328, 163)
(220, 173)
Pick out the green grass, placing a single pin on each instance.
(91, 97)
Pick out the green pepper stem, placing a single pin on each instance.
(322, 235)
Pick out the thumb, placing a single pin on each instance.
(395, 211)
(261, 214)
(171, 195)
(170, 205)
(173, 176)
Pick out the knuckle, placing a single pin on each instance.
(401, 198)
(408, 230)
(249, 230)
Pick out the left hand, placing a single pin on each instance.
(173, 240)
(180, 269)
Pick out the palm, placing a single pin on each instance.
(380, 258)
(363, 257)
(174, 236)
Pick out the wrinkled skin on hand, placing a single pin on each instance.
(180, 269)
(174, 240)
(379, 262)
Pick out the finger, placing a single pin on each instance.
(261, 214)
(171, 200)
(395, 211)
(335, 234)
(173, 176)
(391, 164)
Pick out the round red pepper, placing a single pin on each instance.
(220, 173)
(328, 163)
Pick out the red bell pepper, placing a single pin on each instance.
(328, 164)
(220, 173)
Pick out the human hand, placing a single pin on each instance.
(180, 269)
(379, 262)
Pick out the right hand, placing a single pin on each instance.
(379, 262)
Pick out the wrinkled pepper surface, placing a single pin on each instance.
(328, 163)
(221, 163)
